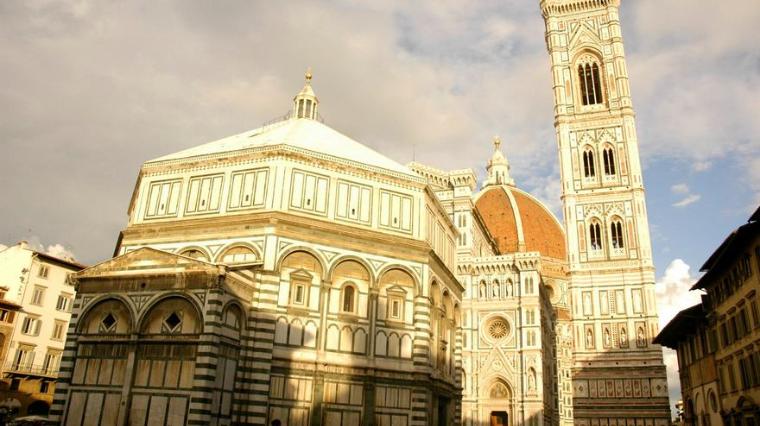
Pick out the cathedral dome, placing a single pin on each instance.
(519, 222)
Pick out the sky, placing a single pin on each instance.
(91, 90)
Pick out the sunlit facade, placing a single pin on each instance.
(290, 275)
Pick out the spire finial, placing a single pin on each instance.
(308, 75)
(496, 143)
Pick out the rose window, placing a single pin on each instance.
(498, 328)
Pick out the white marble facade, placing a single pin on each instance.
(290, 275)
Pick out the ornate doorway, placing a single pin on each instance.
(499, 418)
(495, 410)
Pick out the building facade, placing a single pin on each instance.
(35, 313)
(618, 375)
(290, 275)
(689, 333)
(717, 340)
(316, 289)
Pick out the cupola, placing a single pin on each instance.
(305, 103)
(498, 167)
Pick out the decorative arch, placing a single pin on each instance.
(499, 388)
(448, 305)
(390, 269)
(195, 252)
(94, 306)
(239, 246)
(234, 308)
(152, 305)
(532, 380)
(331, 272)
(284, 256)
(589, 74)
(435, 293)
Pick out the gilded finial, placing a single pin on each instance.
(496, 143)
(308, 75)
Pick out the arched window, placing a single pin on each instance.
(239, 254)
(616, 231)
(608, 156)
(588, 163)
(591, 87)
(595, 236)
(349, 295)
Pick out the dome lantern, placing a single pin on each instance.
(305, 103)
(498, 167)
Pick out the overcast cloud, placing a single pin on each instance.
(93, 89)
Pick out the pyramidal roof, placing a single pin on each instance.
(301, 131)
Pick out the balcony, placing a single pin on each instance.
(17, 370)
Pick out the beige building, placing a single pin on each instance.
(717, 340)
(35, 312)
(290, 275)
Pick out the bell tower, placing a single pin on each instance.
(618, 374)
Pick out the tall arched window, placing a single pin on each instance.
(349, 295)
(588, 163)
(616, 231)
(609, 161)
(591, 87)
(595, 236)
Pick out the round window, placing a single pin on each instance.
(497, 328)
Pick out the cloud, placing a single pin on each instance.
(683, 189)
(701, 166)
(61, 252)
(58, 250)
(429, 77)
(680, 188)
(690, 199)
(673, 296)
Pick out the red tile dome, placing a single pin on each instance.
(520, 223)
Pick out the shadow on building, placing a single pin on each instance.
(626, 384)
(157, 338)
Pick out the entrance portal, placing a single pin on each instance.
(499, 418)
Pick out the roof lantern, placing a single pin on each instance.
(498, 167)
(305, 103)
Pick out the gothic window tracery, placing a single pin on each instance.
(595, 235)
(616, 231)
(608, 157)
(590, 81)
(589, 169)
(498, 328)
